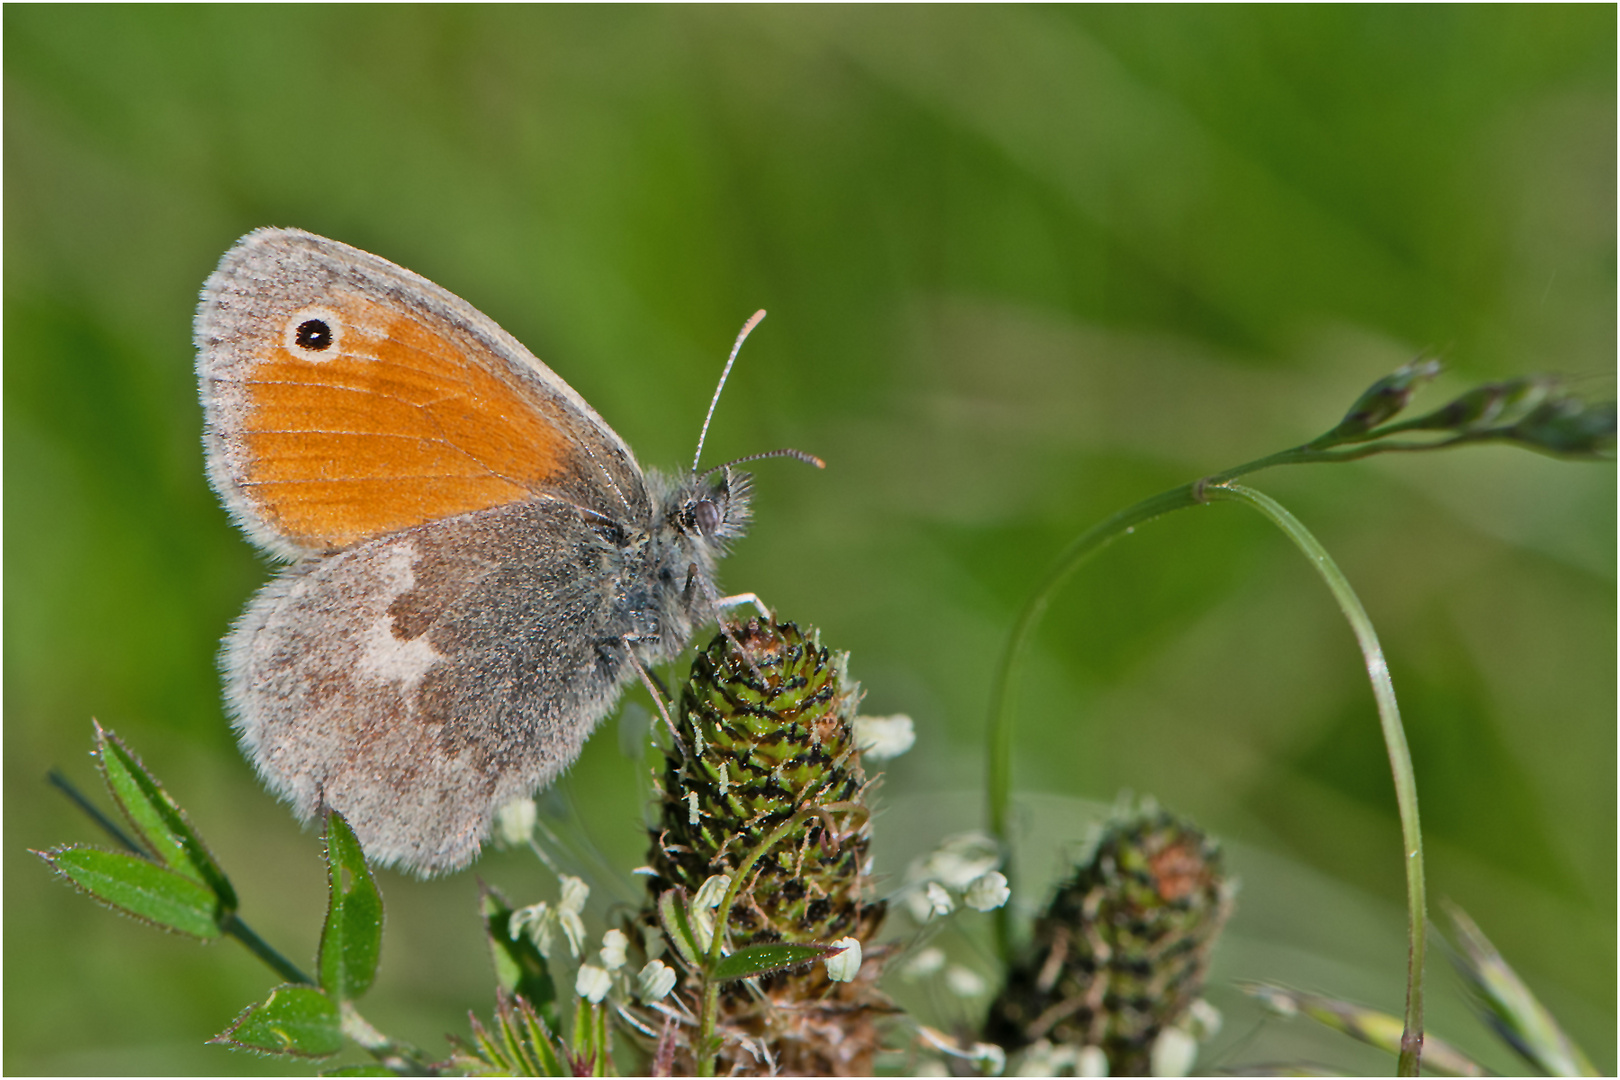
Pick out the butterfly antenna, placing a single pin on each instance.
(786, 451)
(732, 359)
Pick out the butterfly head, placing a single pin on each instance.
(712, 509)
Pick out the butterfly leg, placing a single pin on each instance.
(743, 599)
(653, 689)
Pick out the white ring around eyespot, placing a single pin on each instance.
(289, 333)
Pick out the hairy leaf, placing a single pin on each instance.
(764, 959)
(158, 819)
(140, 888)
(351, 940)
(296, 1020)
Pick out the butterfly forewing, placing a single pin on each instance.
(347, 398)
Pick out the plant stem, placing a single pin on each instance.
(256, 945)
(1000, 729)
(231, 924)
(93, 812)
(1400, 758)
(707, 1052)
(400, 1057)
(1084, 547)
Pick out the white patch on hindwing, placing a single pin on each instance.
(383, 656)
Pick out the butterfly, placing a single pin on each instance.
(478, 563)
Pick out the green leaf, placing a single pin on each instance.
(158, 820)
(1362, 1024)
(297, 1020)
(585, 1062)
(519, 966)
(140, 888)
(351, 940)
(677, 924)
(360, 1070)
(764, 959)
(520, 1045)
(1510, 1007)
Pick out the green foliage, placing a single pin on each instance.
(160, 823)
(519, 1045)
(1504, 1003)
(174, 882)
(1510, 1008)
(1370, 1026)
(675, 916)
(351, 939)
(137, 887)
(299, 1021)
(765, 959)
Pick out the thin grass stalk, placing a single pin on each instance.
(1400, 758)
(1000, 729)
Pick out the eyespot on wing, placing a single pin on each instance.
(346, 398)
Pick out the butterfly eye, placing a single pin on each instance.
(312, 333)
(706, 515)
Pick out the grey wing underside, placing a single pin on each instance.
(420, 681)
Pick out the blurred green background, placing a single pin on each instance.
(1024, 267)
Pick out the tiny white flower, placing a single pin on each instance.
(843, 966)
(1044, 1059)
(929, 901)
(655, 981)
(592, 983)
(614, 944)
(1278, 1002)
(514, 823)
(987, 892)
(573, 930)
(1092, 1062)
(1203, 1020)
(525, 917)
(964, 982)
(929, 961)
(881, 738)
(652, 942)
(702, 920)
(1174, 1052)
(712, 891)
(990, 1056)
(539, 921)
(574, 894)
(958, 860)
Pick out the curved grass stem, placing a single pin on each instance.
(1400, 758)
(1220, 486)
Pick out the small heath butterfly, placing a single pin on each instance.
(479, 564)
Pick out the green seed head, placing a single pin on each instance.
(767, 723)
(1120, 952)
(766, 732)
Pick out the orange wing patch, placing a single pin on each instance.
(397, 426)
